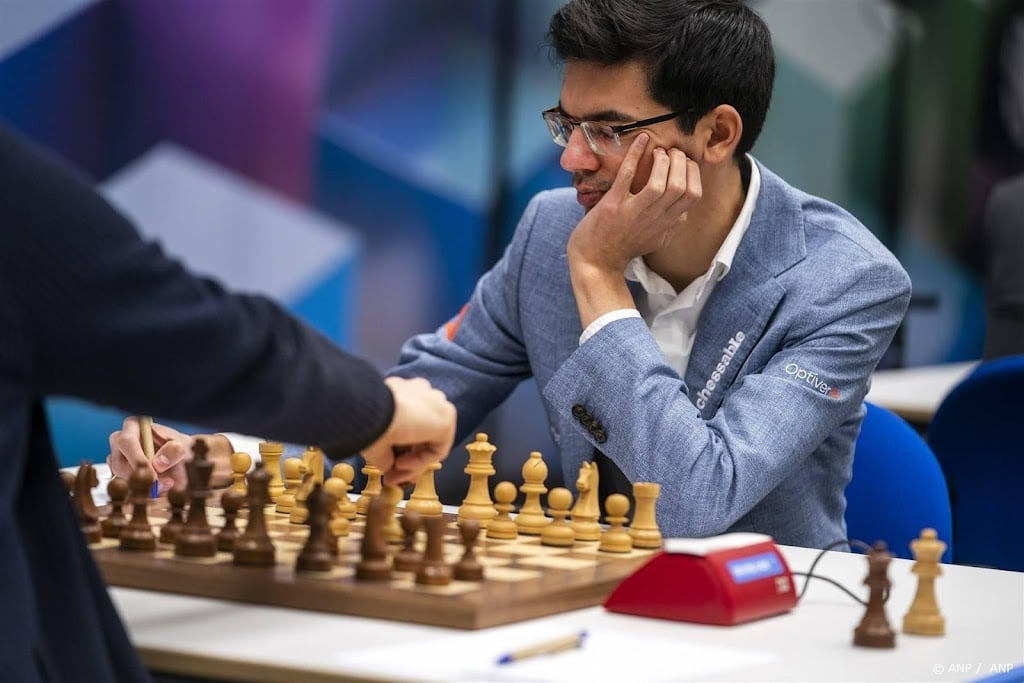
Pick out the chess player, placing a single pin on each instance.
(689, 317)
(89, 309)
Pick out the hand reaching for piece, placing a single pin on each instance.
(421, 432)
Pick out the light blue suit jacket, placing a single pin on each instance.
(759, 434)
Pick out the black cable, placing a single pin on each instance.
(860, 545)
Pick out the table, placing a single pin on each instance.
(984, 611)
(915, 393)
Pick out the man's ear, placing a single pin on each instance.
(721, 129)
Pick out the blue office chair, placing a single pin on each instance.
(897, 487)
(977, 435)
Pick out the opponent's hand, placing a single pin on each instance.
(627, 224)
(421, 432)
(172, 449)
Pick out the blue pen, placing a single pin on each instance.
(547, 648)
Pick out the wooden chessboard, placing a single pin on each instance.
(523, 579)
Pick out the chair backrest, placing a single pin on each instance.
(977, 435)
(897, 487)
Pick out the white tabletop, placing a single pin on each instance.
(915, 393)
(984, 612)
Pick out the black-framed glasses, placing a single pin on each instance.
(603, 138)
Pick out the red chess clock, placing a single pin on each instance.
(722, 580)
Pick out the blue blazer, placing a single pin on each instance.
(759, 434)
(88, 309)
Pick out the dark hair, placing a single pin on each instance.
(699, 53)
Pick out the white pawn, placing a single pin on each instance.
(559, 532)
(374, 484)
(503, 527)
(616, 539)
(240, 464)
(344, 472)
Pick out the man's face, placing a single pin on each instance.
(615, 95)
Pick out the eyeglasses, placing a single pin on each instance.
(601, 137)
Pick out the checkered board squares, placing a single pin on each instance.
(523, 578)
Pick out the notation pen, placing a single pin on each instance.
(146, 432)
(549, 648)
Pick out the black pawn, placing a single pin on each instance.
(408, 558)
(138, 534)
(178, 498)
(468, 568)
(117, 489)
(316, 554)
(374, 565)
(434, 571)
(231, 502)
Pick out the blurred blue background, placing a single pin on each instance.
(364, 161)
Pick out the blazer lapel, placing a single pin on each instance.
(739, 309)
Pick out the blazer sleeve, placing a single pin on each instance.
(105, 316)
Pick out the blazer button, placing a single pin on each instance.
(578, 411)
(599, 435)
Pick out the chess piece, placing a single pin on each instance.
(88, 514)
(374, 483)
(111, 527)
(292, 470)
(138, 534)
(559, 532)
(874, 629)
(313, 459)
(373, 564)
(616, 539)
(478, 504)
(68, 479)
(270, 456)
(254, 547)
(468, 568)
(424, 499)
(196, 537)
(503, 527)
(531, 519)
(644, 529)
(299, 513)
(408, 558)
(330, 504)
(587, 511)
(923, 617)
(344, 473)
(240, 464)
(231, 502)
(434, 571)
(393, 529)
(177, 496)
(316, 555)
(338, 523)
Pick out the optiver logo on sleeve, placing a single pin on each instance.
(812, 378)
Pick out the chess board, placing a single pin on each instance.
(523, 578)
